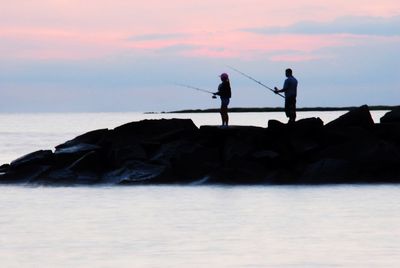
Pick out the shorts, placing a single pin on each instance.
(290, 106)
(224, 102)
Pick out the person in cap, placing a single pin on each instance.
(290, 90)
(224, 92)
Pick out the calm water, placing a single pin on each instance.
(330, 226)
(202, 226)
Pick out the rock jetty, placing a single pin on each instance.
(350, 149)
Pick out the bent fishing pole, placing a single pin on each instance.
(258, 82)
(198, 89)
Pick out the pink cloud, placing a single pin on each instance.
(181, 15)
(72, 29)
(296, 58)
(49, 43)
(241, 44)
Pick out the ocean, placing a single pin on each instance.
(187, 226)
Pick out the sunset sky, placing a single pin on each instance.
(126, 55)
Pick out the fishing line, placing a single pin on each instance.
(251, 78)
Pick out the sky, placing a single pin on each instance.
(128, 55)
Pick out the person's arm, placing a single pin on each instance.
(219, 90)
(285, 86)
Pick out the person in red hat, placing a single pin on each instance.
(224, 92)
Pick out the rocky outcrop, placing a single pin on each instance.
(392, 116)
(350, 149)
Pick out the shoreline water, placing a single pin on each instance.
(208, 110)
(279, 109)
(207, 226)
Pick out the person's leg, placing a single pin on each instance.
(224, 111)
(293, 109)
(293, 115)
(287, 108)
(290, 109)
(224, 115)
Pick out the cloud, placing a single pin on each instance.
(177, 48)
(158, 36)
(356, 25)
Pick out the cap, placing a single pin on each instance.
(224, 76)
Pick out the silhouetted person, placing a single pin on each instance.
(224, 92)
(290, 90)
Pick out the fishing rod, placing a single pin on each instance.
(251, 78)
(198, 89)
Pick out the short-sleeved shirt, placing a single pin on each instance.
(224, 90)
(290, 87)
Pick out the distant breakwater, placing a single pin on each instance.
(280, 109)
(349, 149)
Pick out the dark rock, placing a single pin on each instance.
(122, 153)
(388, 131)
(79, 148)
(36, 158)
(66, 176)
(350, 149)
(240, 172)
(265, 154)
(302, 146)
(235, 147)
(216, 136)
(308, 127)
(194, 164)
(365, 160)
(89, 138)
(337, 136)
(4, 168)
(91, 161)
(379, 162)
(173, 150)
(24, 174)
(135, 173)
(62, 176)
(357, 117)
(328, 170)
(153, 129)
(67, 155)
(71, 151)
(141, 140)
(347, 149)
(301, 136)
(210, 131)
(27, 168)
(392, 116)
(276, 125)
